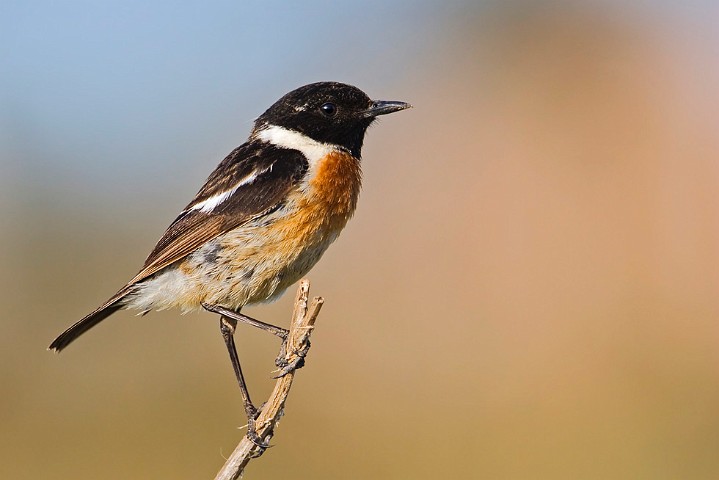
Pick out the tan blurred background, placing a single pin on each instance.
(529, 290)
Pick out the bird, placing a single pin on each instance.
(261, 221)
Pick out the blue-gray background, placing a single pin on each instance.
(529, 288)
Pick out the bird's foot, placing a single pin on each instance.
(289, 362)
(252, 435)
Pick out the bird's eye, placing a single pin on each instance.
(328, 109)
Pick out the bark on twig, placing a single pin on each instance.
(303, 320)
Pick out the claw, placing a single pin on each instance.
(285, 366)
(253, 436)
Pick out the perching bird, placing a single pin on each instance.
(262, 220)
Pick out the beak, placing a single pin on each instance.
(383, 107)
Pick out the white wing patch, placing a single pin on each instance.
(281, 137)
(209, 204)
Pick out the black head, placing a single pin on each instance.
(328, 112)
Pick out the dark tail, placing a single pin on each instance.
(107, 309)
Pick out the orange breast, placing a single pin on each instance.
(320, 210)
(336, 184)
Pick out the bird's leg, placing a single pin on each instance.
(281, 362)
(227, 328)
(239, 317)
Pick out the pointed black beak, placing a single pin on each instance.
(383, 107)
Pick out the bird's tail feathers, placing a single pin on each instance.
(105, 310)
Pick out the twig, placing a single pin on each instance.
(303, 320)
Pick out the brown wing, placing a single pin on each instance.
(264, 173)
(253, 180)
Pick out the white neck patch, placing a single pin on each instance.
(286, 138)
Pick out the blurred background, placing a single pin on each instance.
(529, 289)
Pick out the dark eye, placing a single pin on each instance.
(328, 109)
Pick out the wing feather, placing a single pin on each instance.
(273, 172)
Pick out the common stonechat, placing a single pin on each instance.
(263, 218)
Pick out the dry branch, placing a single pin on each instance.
(303, 320)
